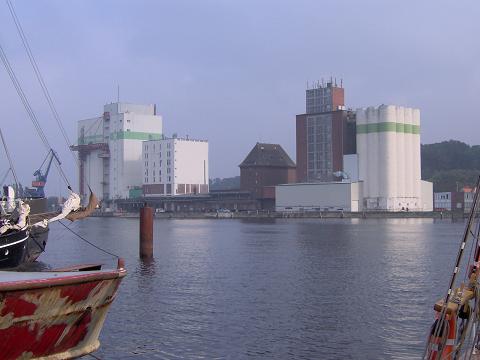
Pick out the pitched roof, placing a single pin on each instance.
(268, 155)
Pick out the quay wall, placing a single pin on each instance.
(296, 215)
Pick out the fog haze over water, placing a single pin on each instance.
(234, 72)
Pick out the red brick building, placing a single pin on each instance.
(265, 166)
(324, 134)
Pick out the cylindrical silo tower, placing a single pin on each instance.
(372, 140)
(408, 155)
(387, 156)
(416, 163)
(362, 148)
(400, 157)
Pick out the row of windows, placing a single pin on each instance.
(159, 146)
(159, 164)
(321, 163)
(169, 179)
(159, 155)
(159, 172)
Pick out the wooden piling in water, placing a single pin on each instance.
(146, 232)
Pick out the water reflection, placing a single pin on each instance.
(146, 267)
(258, 220)
(274, 288)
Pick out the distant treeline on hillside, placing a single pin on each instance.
(450, 165)
(232, 183)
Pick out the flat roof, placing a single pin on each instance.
(323, 183)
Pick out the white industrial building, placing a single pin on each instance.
(110, 148)
(326, 196)
(384, 174)
(388, 148)
(175, 166)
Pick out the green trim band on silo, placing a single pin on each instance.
(388, 127)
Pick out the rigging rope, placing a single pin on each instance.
(5, 177)
(9, 160)
(42, 83)
(468, 231)
(39, 76)
(95, 357)
(88, 242)
(28, 108)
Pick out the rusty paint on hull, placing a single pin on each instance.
(56, 317)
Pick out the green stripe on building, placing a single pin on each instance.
(135, 135)
(120, 135)
(388, 127)
(90, 139)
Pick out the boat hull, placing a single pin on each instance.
(25, 246)
(13, 248)
(29, 250)
(36, 243)
(56, 317)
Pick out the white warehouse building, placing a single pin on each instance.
(324, 196)
(175, 166)
(110, 149)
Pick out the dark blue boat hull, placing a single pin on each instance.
(13, 248)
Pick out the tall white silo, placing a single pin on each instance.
(416, 162)
(400, 157)
(362, 147)
(372, 166)
(408, 154)
(387, 154)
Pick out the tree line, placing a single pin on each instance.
(450, 165)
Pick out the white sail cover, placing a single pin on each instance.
(72, 204)
(24, 210)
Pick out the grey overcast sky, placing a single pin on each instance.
(235, 72)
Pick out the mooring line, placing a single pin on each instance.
(88, 242)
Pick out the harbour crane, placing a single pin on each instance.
(38, 185)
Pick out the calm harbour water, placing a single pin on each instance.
(282, 289)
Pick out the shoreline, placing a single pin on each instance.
(295, 215)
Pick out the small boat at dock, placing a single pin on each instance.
(55, 314)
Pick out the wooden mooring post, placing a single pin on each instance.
(146, 232)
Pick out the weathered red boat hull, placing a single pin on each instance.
(56, 317)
